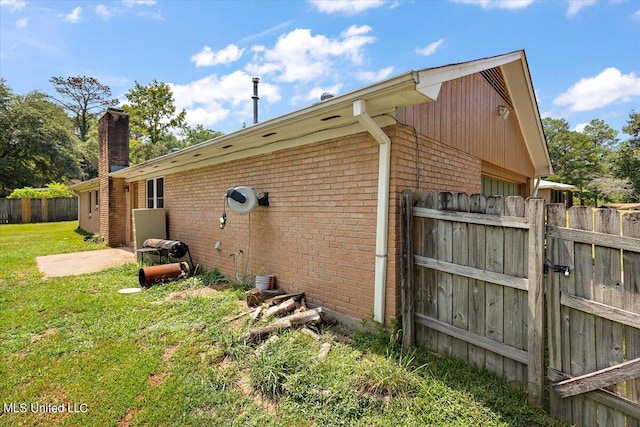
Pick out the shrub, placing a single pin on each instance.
(54, 190)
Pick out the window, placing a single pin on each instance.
(155, 193)
(97, 203)
(89, 193)
(497, 187)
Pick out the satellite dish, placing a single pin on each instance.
(241, 199)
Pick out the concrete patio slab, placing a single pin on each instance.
(76, 263)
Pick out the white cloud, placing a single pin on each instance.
(207, 57)
(313, 95)
(301, 56)
(22, 23)
(139, 2)
(430, 49)
(73, 17)
(14, 5)
(575, 6)
(104, 11)
(637, 14)
(608, 87)
(580, 127)
(498, 4)
(212, 99)
(371, 76)
(348, 7)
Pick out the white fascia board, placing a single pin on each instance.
(429, 80)
(287, 126)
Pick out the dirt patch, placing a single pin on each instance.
(156, 379)
(207, 291)
(168, 353)
(127, 420)
(76, 263)
(44, 334)
(244, 383)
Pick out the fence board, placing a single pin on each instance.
(515, 300)
(559, 252)
(608, 290)
(460, 256)
(444, 252)
(631, 302)
(582, 333)
(478, 204)
(494, 293)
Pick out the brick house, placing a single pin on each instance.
(334, 172)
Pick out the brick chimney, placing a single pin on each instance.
(113, 154)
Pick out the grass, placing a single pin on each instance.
(141, 359)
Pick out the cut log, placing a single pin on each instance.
(256, 314)
(324, 351)
(278, 298)
(284, 307)
(255, 297)
(304, 318)
(244, 313)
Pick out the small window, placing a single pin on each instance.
(97, 199)
(90, 206)
(155, 193)
(497, 187)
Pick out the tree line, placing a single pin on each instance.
(45, 139)
(602, 166)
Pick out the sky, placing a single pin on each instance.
(583, 55)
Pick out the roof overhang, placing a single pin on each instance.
(89, 185)
(334, 118)
(550, 185)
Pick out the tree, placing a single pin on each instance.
(626, 159)
(572, 155)
(603, 138)
(37, 143)
(199, 134)
(152, 115)
(83, 97)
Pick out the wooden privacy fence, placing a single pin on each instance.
(594, 316)
(473, 285)
(17, 211)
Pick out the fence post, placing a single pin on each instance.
(535, 332)
(408, 288)
(26, 210)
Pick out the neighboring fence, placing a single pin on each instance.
(473, 288)
(17, 211)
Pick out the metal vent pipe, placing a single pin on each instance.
(255, 98)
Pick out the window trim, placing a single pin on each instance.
(154, 197)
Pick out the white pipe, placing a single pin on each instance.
(535, 188)
(382, 222)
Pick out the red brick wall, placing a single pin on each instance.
(318, 234)
(440, 167)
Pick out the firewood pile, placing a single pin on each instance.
(288, 310)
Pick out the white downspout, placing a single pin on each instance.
(382, 223)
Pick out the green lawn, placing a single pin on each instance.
(139, 359)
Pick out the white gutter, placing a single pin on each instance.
(382, 222)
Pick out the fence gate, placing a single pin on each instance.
(473, 287)
(472, 281)
(594, 316)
